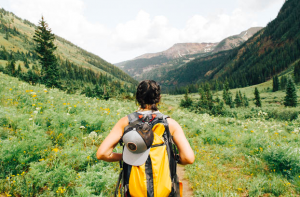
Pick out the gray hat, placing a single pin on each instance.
(137, 145)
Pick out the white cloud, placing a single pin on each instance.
(65, 18)
(257, 5)
(156, 34)
(143, 34)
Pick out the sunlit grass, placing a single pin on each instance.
(49, 140)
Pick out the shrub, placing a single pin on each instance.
(263, 184)
(283, 159)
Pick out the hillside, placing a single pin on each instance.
(236, 40)
(155, 65)
(268, 52)
(181, 49)
(16, 40)
(49, 140)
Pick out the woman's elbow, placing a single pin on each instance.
(190, 160)
(187, 160)
(100, 155)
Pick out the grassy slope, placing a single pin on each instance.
(263, 54)
(65, 49)
(43, 150)
(45, 153)
(243, 157)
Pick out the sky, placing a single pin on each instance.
(120, 30)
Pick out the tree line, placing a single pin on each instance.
(42, 66)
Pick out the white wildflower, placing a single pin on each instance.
(82, 127)
(93, 134)
(35, 112)
(30, 119)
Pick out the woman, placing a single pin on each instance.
(148, 96)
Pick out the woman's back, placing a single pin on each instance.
(153, 168)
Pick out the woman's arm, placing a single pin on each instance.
(186, 153)
(105, 151)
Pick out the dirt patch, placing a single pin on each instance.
(187, 190)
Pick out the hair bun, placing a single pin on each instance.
(148, 92)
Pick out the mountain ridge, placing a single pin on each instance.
(23, 42)
(269, 52)
(180, 49)
(154, 65)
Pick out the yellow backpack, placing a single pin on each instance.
(157, 176)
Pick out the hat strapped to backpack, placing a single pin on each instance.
(137, 139)
(140, 148)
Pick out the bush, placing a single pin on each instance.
(186, 103)
(214, 138)
(283, 114)
(263, 184)
(283, 159)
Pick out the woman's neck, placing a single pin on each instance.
(147, 108)
(144, 109)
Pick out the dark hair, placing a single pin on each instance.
(148, 92)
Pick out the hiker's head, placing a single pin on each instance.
(148, 93)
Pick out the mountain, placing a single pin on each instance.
(78, 67)
(269, 52)
(180, 50)
(236, 40)
(155, 65)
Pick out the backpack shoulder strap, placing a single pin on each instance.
(133, 117)
(172, 153)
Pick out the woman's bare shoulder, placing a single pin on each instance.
(173, 125)
(171, 121)
(123, 121)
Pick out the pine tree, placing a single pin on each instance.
(241, 98)
(227, 96)
(246, 102)
(19, 70)
(208, 95)
(26, 63)
(6, 35)
(187, 101)
(283, 82)
(98, 92)
(275, 83)
(217, 86)
(237, 100)
(257, 98)
(291, 94)
(11, 67)
(45, 48)
(225, 91)
(230, 101)
(203, 99)
(297, 72)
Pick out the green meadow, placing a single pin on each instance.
(48, 141)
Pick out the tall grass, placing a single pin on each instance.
(48, 141)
